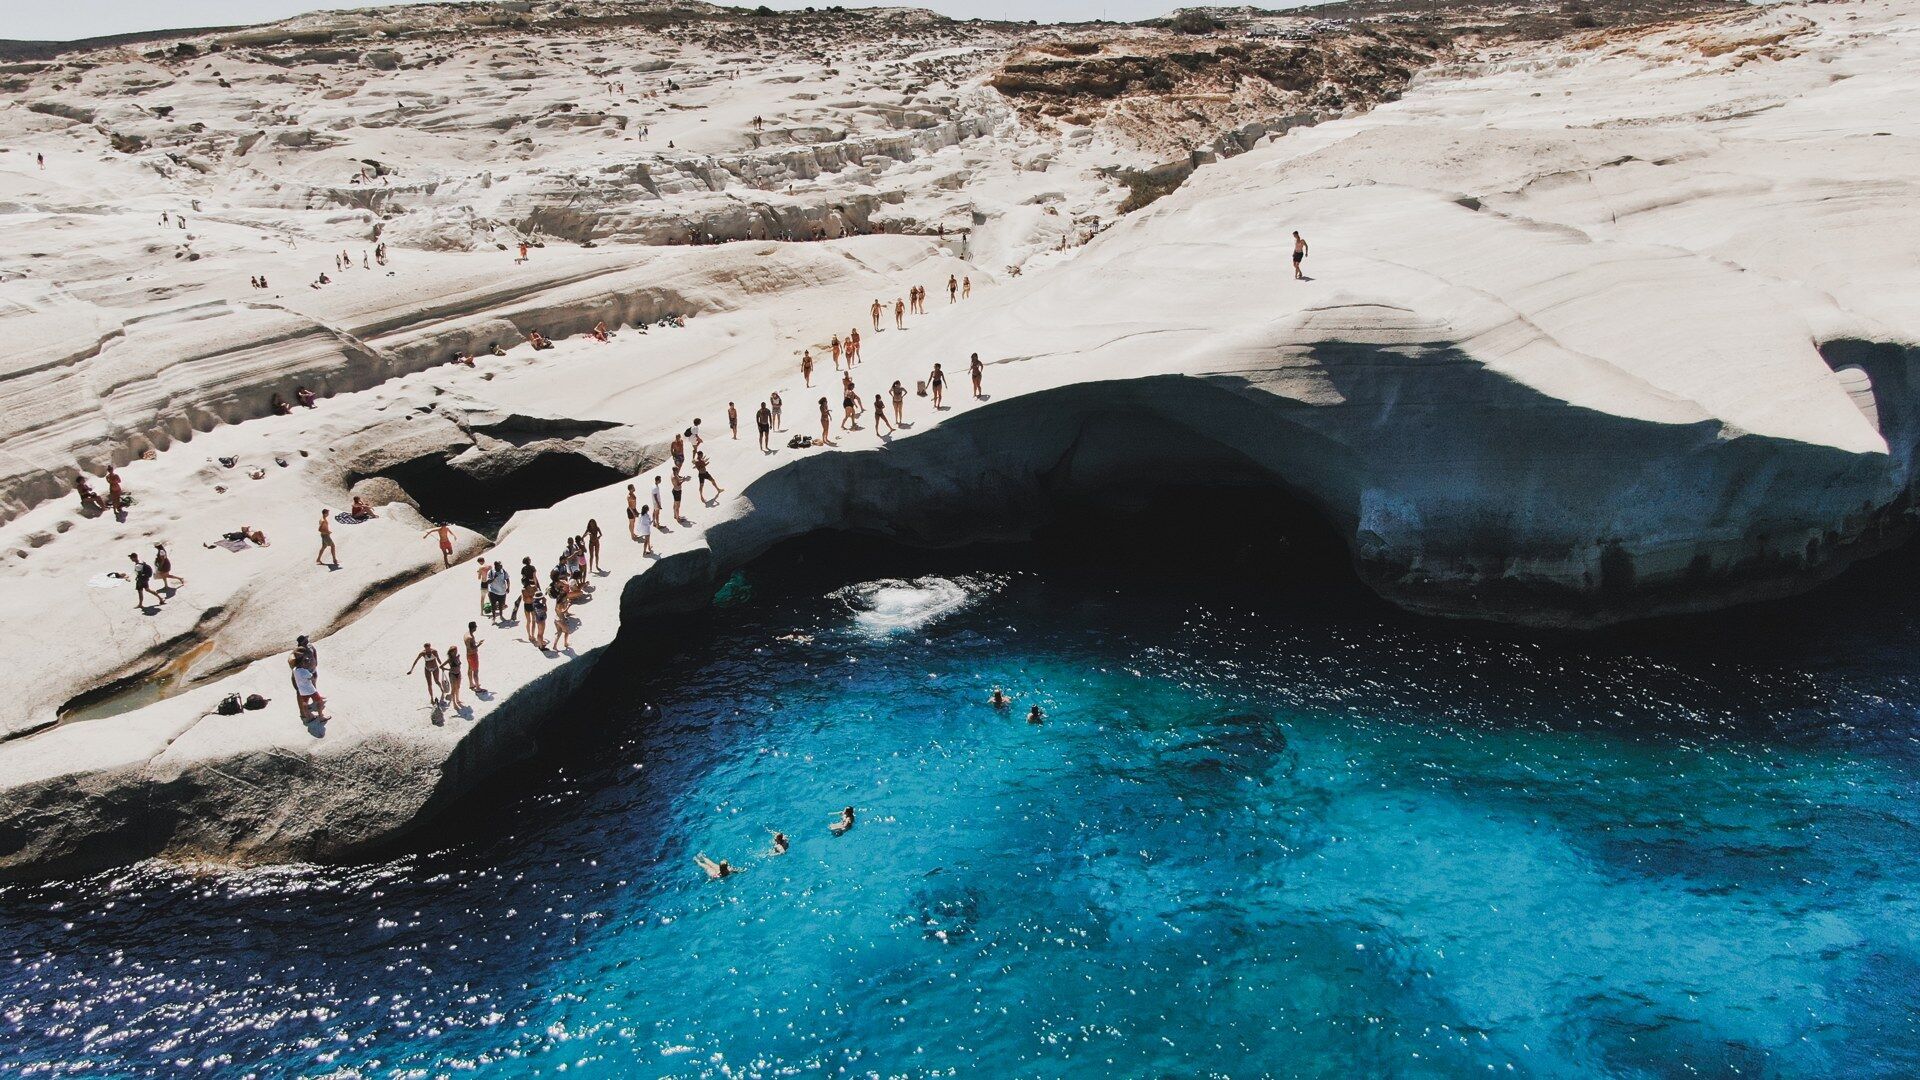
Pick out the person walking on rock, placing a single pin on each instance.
(1299, 255)
(953, 289)
(880, 415)
(163, 568)
(327, 550)
(633, 511)
(445, 534)
(976, 370)
(937, 382)
(143, 583)
(706, 477)
(806, 367)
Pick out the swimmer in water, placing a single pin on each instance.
(842, 823)
(999, 699)
(1035, 716)
(780, 843)
(715, 870)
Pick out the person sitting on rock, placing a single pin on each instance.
(538, 340)
(89, 499)
(600, 331)
(304, 396)
(280, 406)
(360, 511)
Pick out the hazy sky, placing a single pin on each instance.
(61, 20)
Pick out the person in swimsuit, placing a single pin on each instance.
(966, 287)
(976, 369)
(937, 381)
(678, 449)
(529, 588)
(899, 392)
(837, 350)
(999, 699)
(849, 403)
(116, 496)
(715, 870)
(1035, 716)
(780, 843)
(678, 481)
(163, 567)
(953, 289)
(562, 622)
(472, 643)
(733, 420)
(445, 534)
(826, 422)
(842, 823)
(633, 510)
(880, 415)
(326, 540)
(1299, 254)
(452, 671)
(877, 309)
(431, 658)
(773, 402)
(538, 606)
(806, 367)
(763, 423)
(700, 470)
(899, 314)
(853, 346)
(593, 544)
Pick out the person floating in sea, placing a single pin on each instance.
(445, 534)
(715, 870)
(842, 823)
(428, 656)
(780, 843)
(977, 370)
(327, 550)
(1035, 716)
(999, 700)
(1299, 255)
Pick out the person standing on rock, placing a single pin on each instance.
(763, 422)
(633, 511)
(116, 496)
(445, 534)
(306, 694)
(899, 314)
(499, 583)
(953, 289)
(1299, 255)
(733, 420)
(880, 415)
(853, 346)
(937, 382)
(659, 507)
(452, 670)
(593, 545)
(306, 656)
(977, 371)
(877, 309)
(483, 573)
(899, 392)
(431, 658)
(966, 287)
(773, 400)
(806, 367)
(327, 550)
(826, 423)
(646, 531)
(677, 480)
(472, 642)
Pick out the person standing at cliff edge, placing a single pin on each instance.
(1299, 255)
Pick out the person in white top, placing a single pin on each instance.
(646, 530)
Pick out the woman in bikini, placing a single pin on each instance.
(432, 660)
(593, 539)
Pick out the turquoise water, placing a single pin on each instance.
(1264, 831)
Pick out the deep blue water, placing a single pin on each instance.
(1264, 831)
